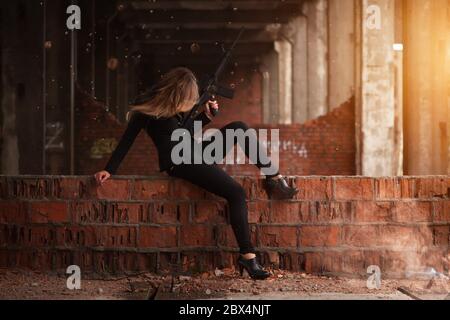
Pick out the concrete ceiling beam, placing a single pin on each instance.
(201, 36)
(238, 61)
(214, 5)
(205, 49)
(143, 18)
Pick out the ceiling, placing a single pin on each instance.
(196, 32)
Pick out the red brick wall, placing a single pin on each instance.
(336, 225)
(93, 123)
(247, 103)
(325, 146)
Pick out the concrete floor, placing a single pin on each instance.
(330, 296)
(19, 284)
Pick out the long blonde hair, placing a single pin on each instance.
(175, 90)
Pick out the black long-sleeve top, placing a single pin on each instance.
(160, 131)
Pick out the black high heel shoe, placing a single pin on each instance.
(279, 189)
(253, 268)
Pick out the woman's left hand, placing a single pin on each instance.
(211, 104)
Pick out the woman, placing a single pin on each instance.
(172, 97)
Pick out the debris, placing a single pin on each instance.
(229, 271)
(176, 287)
(218, 272)
(208, 292)
(172, 284)
(438, 285)
(152, 293)
(100, 291)
(157, 287)
(138, 286)
(408, 293)
(195, 48)
(113, 63)
(430, 284)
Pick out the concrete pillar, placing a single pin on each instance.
(378, 88)
(265, 86)
(341, 28)
(317, 15)
(276, 68)
(21, 102)
(299, 70)
(427, 91)
(269, 69)
(10, 146)
(398, 164)
(284, 50)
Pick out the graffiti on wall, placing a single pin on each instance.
(291, 146)
(102, 147)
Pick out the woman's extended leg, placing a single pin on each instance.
(218, 182)
(246, 144)
(275, 185)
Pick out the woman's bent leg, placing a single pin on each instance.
(262, 158)
(276, 188)
(218, 182)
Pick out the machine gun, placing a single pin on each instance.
(212, 88)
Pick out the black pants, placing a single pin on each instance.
(217, 181)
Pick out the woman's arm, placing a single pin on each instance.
(136, 123)
(203, 118)
(206, 116)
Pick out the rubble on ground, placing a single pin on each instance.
(19, 284)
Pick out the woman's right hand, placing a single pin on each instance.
(210, 106)
(102, 176)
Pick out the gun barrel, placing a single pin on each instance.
(212, 81)
(227, 56)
